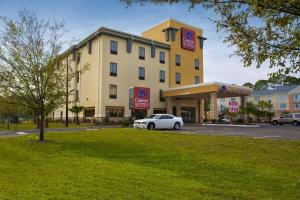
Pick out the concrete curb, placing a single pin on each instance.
(232, 125)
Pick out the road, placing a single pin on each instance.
(285, 132)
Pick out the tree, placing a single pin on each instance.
(290, 80)
(270, 114)
(248, 84)
(263, 32)
(231, 115)
(261, 105)
(76, 109)
(260, 85)
(31, 71)
(249, 109)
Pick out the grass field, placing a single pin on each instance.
(31, 125)
(138, 164)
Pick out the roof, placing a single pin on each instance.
(120, 34)
(277, 90)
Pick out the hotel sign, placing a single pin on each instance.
(139, 98)
(188, 39)
(233, 106)
(237, 90)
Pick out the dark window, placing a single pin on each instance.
(174, 110)
(78, 58)
(142, 53)
(113, 69)
(178, 78)
(173, 31)
(112, 91)
(177, 59)
(141, 73)
(159, 111)
(77, 77)
(89, 47)
(114, 112)
(197, 80)
(89, 112)
(77, 95)
(161, 76)
(196, 63)
(129, 45)
(162, 57)
(152, 51)
(167, 35)
(161, 97)
(113, 47)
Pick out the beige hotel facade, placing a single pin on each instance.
(132, 76)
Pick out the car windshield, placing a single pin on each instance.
(297, 115)
(151, 117)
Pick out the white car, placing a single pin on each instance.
(159, 121)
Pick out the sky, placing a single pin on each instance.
(82, 17)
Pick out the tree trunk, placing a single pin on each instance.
(42, 124)
(77, 119)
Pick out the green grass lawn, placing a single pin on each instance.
(139, 164)
(31, 125)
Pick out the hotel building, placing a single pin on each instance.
(132, 76)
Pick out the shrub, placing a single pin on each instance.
(126, 123)
(240, 121)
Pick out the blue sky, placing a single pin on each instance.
(84, 16)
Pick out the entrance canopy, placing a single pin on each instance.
(204, 90)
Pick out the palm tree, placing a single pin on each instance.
(76, 109)
(269, 105)
(262, 104)
(248, 110)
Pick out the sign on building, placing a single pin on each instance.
(233, 106)
(139, 98)
(188, 39)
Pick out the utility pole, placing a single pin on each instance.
(67, 95)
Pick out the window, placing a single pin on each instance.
(161, 76)
(162, 57)
(141, 73)
(222, 99)
(297, 96)
(153, 51)
(257, 99)
(77, 77)
(233, 99)
(113, 47)
(77, 95)
(197, 80)
(178, 78)
(159, 111)
(89, 112)
(113, 69)
(282, 106)
(161, 97)
(197, 64)
(282, 96)
(142, 53)
(114, 112)
(78, 58)
(297, 106)
(129, 45)
(89, 44)
(112, 91)
(177, 60)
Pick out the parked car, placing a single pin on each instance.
(159, 121)
(292, 118)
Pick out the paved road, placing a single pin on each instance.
(286, 132)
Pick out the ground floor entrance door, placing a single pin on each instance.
(139, 113)
(188, 114)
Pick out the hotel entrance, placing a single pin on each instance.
(188, 114)
(139, 113)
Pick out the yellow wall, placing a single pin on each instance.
(187, 69)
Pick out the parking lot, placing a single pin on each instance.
(287, 132)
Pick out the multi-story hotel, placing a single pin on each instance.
(134, 76)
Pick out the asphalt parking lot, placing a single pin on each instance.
(287, 132)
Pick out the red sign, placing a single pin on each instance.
(233, 106)
(188, 40)
(141, 98)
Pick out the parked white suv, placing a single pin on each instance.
(292, 118)
(159, 121)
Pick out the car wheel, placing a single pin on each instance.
(295, 123)
(274, 122)
(176, 126)
(151, 126)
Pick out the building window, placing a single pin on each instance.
(77, 77)
(113, 69)
(114, 112)
(141, 73)
(197, 79)
(233, 99)
(129, 45)
(112, 91)
(197, 64)
(282, 106)
(141, 53)
(77, 95)
(257, 99)
(162, 57)
(161, 76)
(89, 112)
(89, 45)
(161, 97)
(297, 106)
(297, 96)
(113, 47)
(78, 58)
(153, 51)
(222, 99)
(177, 59)
(178, 78)
(282, 96)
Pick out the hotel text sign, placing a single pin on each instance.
(237, 90)
(188, 39)
(141, 98)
